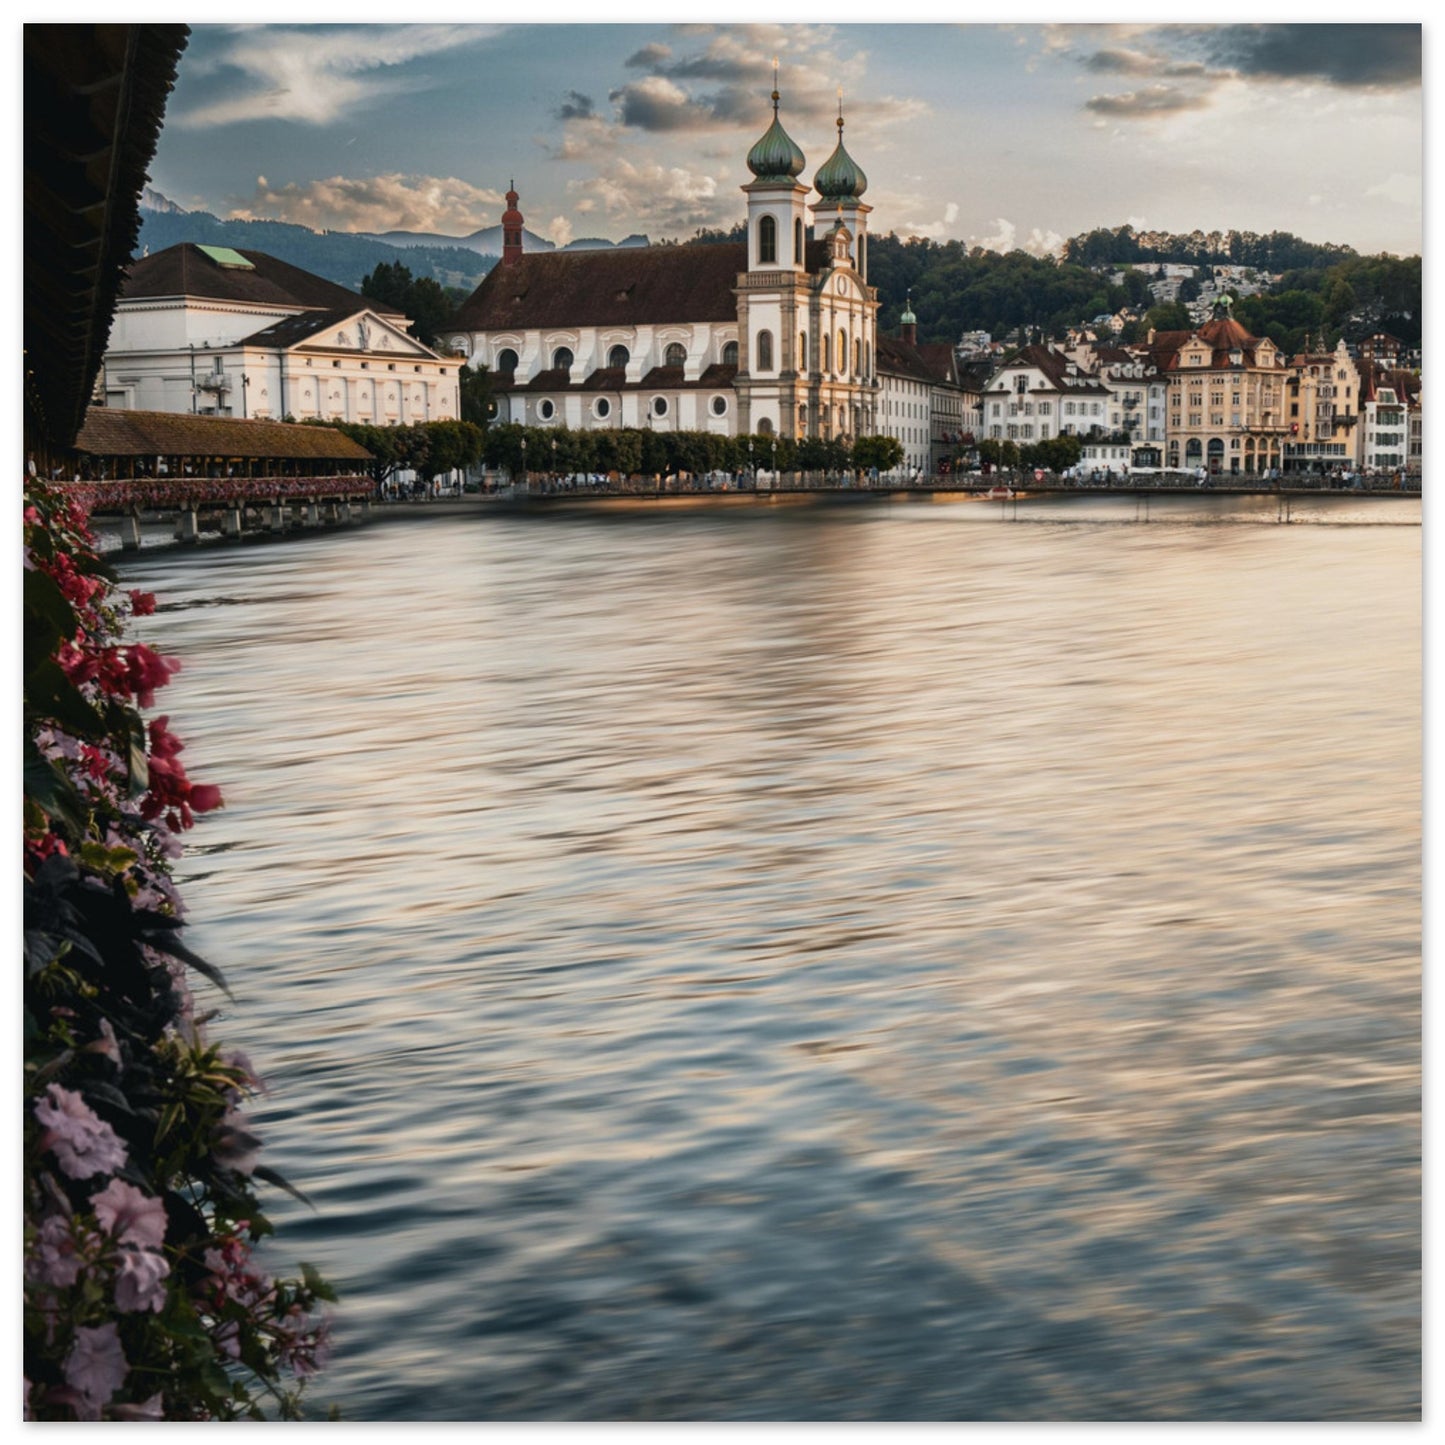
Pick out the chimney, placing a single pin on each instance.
(511, 229)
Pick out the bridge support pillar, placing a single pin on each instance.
(188, 526)
(278, 516)
(311, 514)
(231, 522)
(130, 532)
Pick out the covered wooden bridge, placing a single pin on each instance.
(245, 475)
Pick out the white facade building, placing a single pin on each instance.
(219, 332)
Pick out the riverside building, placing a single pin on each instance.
(772, 335)
(220, 332)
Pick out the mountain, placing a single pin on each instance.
(597, 243)
(486, 242)
(340, 256)
(152, 200)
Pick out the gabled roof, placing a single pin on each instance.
(1055, 367)
(188, 270)
(297, 330)
(899, 358)
(113, 433)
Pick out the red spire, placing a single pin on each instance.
(511, 228)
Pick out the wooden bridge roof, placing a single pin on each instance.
(111, 433)
(94, 99)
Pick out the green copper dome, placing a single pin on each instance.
(908, 318)
(840, 177)
(776, 156)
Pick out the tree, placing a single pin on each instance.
(474, 386)
(419, 298)
(880, 453)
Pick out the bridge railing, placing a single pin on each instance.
(191, 493)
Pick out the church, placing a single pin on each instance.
(774, 335)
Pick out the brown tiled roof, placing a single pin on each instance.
(1221, 336)
(900, 359)
(111, 433)
(186, 270)
(606, 378)
(661, 377)
(1055, 367)
(631, 286)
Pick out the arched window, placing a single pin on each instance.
(506, 359)
(842, 353)
(767, 242)
(675, 355)
(863, 255)
(765, 351)
(868, 358)
(802, 351)
(827, 352)
(562, 359)
(619, 356)
(798, 241)
(857, 357)
(765, 426)
(730, 354)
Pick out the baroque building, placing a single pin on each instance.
(775, 334)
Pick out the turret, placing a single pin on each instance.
(511, 228)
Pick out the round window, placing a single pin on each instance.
(659, 406)
(719, 406)
(603, 407)
(545, 410)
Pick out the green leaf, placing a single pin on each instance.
(49, 618)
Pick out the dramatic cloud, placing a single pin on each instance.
(443, 205)
(1141, 63)
(1155, 100)
(316, 76)
(576, 107)
(663, 200)
(1345, 55)
(649, 56)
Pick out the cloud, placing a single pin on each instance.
(1006, 239)
(576, 106)
(559, 229)
(1400, 189)
(649, 56)
(1155, 100)
(1141, 63)
(1345, 55)
(315, 76)
(666, 200)
(443, 205)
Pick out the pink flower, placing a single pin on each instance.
(130, 1215)
(142, 604)
(82, 1144)
(95, 1368)
(55, 1260)
(138, 1281)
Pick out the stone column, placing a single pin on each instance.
(188, 528)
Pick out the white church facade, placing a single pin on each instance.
(772, 335)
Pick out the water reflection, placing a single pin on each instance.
(775, 963)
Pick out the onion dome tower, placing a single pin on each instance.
(840, 184)
(908, 322)
(511, 228)
(776, 198)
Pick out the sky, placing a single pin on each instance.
(999, 135)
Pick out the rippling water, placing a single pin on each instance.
(806, 963)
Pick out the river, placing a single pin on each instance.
(862, 962)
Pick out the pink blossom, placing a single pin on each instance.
(95, 1367)
(82, 1143)
(142, 604)
(55, 1260)
(138, 1283)
(107, 1043)
(236, 1147)
(130, 1215)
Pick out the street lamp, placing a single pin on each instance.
(554, 461)
(524, 462)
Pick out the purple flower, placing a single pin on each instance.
(55, 1261)
(138, 1281)
(95, 1368)
(82, 1143)
(130, 1214)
